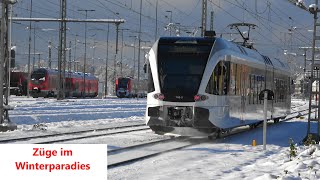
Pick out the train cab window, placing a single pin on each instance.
(219, 80)
(181, 67)
(150, 79)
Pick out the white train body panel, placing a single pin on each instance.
(231, 80)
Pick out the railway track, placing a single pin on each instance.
(244, 129)
(76, 135)
(131, 154)
(135, 153)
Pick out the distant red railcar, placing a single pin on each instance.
(44, 83)
(125, 87)
(18, 83)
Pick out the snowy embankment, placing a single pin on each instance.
(230, 158)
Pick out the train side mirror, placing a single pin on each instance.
(270, 94)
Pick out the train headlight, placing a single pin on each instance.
(200, 97)
(159, 96)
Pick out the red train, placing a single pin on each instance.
(128, 88)
(44, 83)
(18, 83)
(125, 87)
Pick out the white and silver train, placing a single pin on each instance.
(201, 86)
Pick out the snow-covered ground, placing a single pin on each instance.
(230, 158)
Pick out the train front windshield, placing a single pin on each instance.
(123, 83)
(38, 76)
(181, 67)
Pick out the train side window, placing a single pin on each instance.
(213, 85)
(226, 77)
(252, 89)
(233, 75)
(250, 86)
(239, 70)
(220, 79)
(257, 89)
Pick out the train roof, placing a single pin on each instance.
(198, 40)
(74, 74)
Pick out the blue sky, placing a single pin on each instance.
(274, 18)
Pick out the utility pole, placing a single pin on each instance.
(106, 76)
(5, 123)
(211, 21)
(74, 56)
(85, 51)
(62, 49)
(39, 60)
(49, 57)
(314, 67)
(305, 49)
(115, 58)
(204, 17)
(34, 46)
(139, 44)
(156, 33)
(313, 9)
(9, 52)
(121, 51)
(170, 23)
(134, 55)
(69, 64)
(29, 60)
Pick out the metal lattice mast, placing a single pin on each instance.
(211, 20)
(314, 78)
(5, 123)
(314, 74)
(62, 47)
(107, 57)
(49, 58)
(204, 17)
(29, 57)
(2, 62)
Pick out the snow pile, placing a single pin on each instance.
(305, 165)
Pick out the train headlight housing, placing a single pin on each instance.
(158, 96)
(200, 97)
